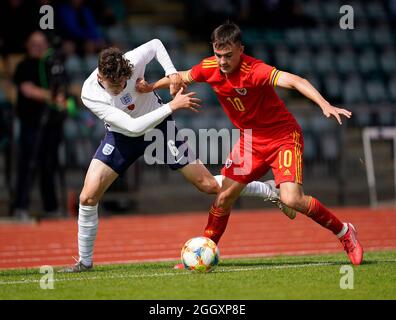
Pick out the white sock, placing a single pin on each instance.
(343, 231)
(87, 229)
(252, 189)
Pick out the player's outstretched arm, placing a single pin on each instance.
(143, 86)
(138, 126)
(292, 81)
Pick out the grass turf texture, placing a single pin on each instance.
(282, 277)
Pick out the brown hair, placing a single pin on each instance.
(226, 34)
(113, 66)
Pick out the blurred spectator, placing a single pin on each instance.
(40, 110)
(77, 23)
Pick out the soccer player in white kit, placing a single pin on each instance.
(109, 92)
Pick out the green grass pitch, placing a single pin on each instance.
(282, 277)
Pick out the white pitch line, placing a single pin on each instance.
(170, 274)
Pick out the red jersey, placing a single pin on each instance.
(247, 95)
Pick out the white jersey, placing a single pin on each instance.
(130, 113)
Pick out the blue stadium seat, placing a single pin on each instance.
(139, 34)
(376, 91)
(361, 36)
(339, 38)
(324, 60)
(168, 35)
(392, 88)
(388, 60)
(368, 62)
(333, 86)
(283, 57)
(296, 37)
(331, 9)
(261, 52)
(302, 61)
(318, 37)
(313, 8)
(382, 35)
(376, 10)
(346, 61)
(353, 90)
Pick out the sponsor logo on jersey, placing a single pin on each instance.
(241, 91)
(107, 149)
(228, 163)
(287, 172)
(126, 99)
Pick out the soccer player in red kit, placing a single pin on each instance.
(270, 136)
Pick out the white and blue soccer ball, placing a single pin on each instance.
(200, 254)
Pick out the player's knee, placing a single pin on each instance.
(225, 199)
(292, 200)
(87, 199)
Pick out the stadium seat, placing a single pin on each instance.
(282, 57)
(376, 91)
(261, 52)
(392, 88)
(295, 37)
(339, 38)
(352, 90)
(317, 37)
(361, 36)
(346, 61)
(382, 35)
(324, 60)
(332, 87)
(168, 35)
(376, 10)
(313, 8)
(140, 34)
(331, 9)
(302, 61)
(388, 60)
(329, 146)
(368, 62)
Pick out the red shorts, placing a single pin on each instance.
(252, 157)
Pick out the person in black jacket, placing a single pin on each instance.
(41, 114)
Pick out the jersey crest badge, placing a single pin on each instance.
(241, 91)
(126, 99)
(107, 149)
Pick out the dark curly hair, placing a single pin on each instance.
(113, 66)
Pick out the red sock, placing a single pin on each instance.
(217, 222)
(319, 213)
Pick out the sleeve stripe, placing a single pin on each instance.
(273, 76)
(276, 78)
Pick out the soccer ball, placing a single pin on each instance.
(200, 254)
